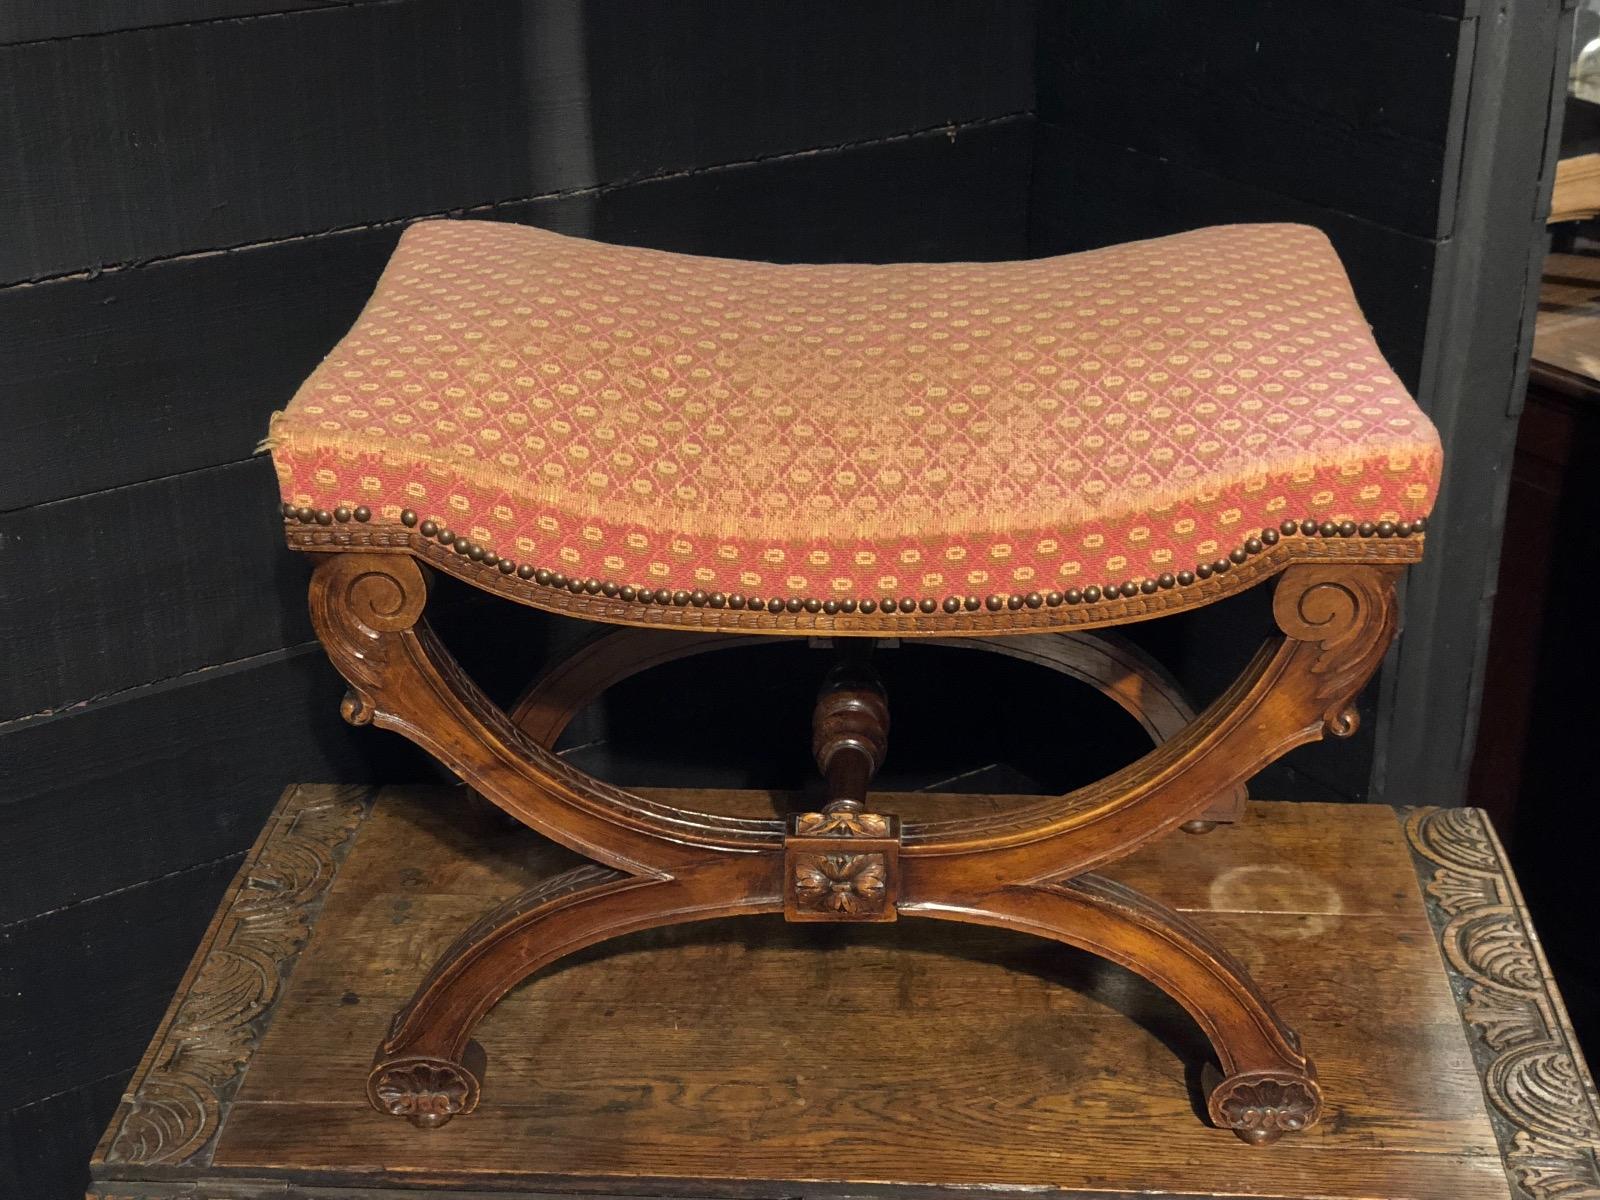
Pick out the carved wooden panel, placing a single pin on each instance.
(222, 1008)
(1541, 1098)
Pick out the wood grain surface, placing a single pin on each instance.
(728, 1058)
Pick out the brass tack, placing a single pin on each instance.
(1091, 594)
(1147, 586)
(1269, 536)
(1385, 529)
(847, 605)
(524, 572)
(995, 603)
(1166, 580)
(830, 607)
(907, 604)
(698, 598)
(408, 518)
(1347, 528)
(775, 605)
(627, 591)
(462, 546)
(952, 604)
(794, 604)
(717, 600)
(1402, 528)
(507, 566)
(557, 579)
(1328, 529)
(1222, 566)
(475, 552)
(1253, 545)
(645, 595)
(1366, 529)
(1034, 600)
(342, 513)
(1053, 599)
(887, 604)
(286, 509)
(1074, 596)
(663, 596)
(1130, 588)
(680, 598)
(1238, 554)
(609, 588)
(1289, 527)
(429, 528)
(868, 605)
(1013, 602)
(1419, 525)
(1203, 570)
(1308, 527)
(305, 515)
(592, 586)
(928, 604)
(362, 514)
(324, 517)
(813, 605)
(446, 537)
(736, 601)
(972, 604)
(543, 576)
(1185, 578)
(575, 586)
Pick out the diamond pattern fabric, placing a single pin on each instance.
(670, 421)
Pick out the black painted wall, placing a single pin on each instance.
(196, 197)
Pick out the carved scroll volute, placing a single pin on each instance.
(360, 603)
(1346, 615)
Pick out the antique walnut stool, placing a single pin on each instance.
(704, 452)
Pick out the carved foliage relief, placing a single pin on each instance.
(1541, 1100)
(173, 1110)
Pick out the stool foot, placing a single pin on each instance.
(1261, 1106)
(1198, 826)
(427, 1090)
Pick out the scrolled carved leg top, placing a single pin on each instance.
(425, 1090)
(1262, 1106)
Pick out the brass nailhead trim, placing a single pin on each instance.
(633, 594)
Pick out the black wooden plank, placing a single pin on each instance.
(947, 197)
(1474, 377)
(1348, 101)
(175, 366)
(82, 989)
(164, 777)
(36, 21)
(231, 132)
(1087, 193)
(139, 584)
(45, 1146)
(1344, 104)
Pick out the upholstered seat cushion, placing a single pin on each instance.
(916, 430)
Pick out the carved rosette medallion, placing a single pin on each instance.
(425, 1091)
(1541, 1100)
(841, 866)
(1261, 1107)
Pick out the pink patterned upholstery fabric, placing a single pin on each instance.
(917, 430)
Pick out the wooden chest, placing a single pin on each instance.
(758, 1059)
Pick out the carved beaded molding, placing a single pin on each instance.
(1257, 557)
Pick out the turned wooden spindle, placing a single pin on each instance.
(850, 731)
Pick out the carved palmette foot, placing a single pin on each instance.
(1261, 1106)
(427, 1090)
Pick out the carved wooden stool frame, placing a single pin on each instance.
(1030, 869)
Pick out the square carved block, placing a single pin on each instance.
(841, 867)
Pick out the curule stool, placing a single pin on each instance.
(704, 452)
